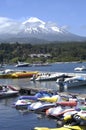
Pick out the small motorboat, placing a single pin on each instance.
(22, 64)
(50, 76)
(8, 91)
(75, 81)
(83, 68)
(46, 77)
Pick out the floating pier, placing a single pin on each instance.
(33, 91)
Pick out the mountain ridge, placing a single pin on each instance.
(34, 28)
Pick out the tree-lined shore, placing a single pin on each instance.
(60, 52)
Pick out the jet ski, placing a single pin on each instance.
(53, 99)
(59, 112)
(40, 106)
(70, 122)
(62, 128)
(24, 101)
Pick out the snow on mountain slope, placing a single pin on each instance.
(34, 28)
(37, 25)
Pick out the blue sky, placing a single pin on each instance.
(68, 13)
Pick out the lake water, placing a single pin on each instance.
(12, 119)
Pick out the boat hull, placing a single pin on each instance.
(23, 74)
(75, 84)
(62, 128)
(8, 94)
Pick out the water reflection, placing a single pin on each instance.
(25, 82)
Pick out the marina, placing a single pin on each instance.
(12, 119)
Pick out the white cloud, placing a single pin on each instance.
(65, 27)
(10, 26)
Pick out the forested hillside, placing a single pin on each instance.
(60, 52)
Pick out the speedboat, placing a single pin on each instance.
(22, 64)
(50, 76)
(83, 68)
(75, 81)
(46, 77)
(8, 91)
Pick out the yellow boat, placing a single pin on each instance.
(74, 119)
(62, 128)
(49, 99)
(5, 76)
(24, 74)
(6, 73)
(9, 73)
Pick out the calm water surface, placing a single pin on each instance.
(12, 119)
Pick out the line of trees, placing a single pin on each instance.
(60, 52)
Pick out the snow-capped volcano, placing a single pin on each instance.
(34, 20)
(36, 25)
(34, 28)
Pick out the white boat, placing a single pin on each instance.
(8, 91)
(76, 81)
(22, 64)
(47, 77)
(83, 68)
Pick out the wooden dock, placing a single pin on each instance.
(33, 91)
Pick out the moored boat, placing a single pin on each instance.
(40, 106)
(52, 99)
(75, 81)
(49, 76)
(22, 64)
(69, 122)
(24, 74)
(62, 128)
(8, 91)
(6, 73)
(24, 101)
(83, 68)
